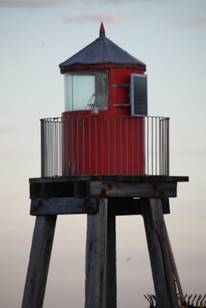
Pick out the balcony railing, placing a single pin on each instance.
(155, 148)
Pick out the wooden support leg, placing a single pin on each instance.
(158, 247)
(100, 287)
(39, 262)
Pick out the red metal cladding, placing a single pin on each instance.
(102, 145)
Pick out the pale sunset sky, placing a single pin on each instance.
(36, 35)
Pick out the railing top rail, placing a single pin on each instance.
(52, 119)
(59, 119)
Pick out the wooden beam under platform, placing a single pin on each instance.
(63, 206)
(74, 205)
(105, 186)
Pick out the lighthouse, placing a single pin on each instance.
(105, 105)
(104, 157)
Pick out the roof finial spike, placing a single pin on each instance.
(102, 30)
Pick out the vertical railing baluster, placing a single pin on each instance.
(54, 148)
(164, 136)
(60, 147)
(126, 133)
(78, 119)
(121, 147)
(48, 149)
(62, 144)
(163, 142)
(162, 147)
(115, 145)
(108, 144)
(83, 146)
(89, 145)
(71, 164)
(50, 171)
(132, 147)
(165, 147)
(102, 144)
(63, 147)
(152, 146)
(156, 130)
(42, 146)
(168, 146)
(96, 145)
(51, 126)
(55, 145)
(144, 135)
(148, 169)
(160, 150)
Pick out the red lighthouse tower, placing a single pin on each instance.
(105, 105)
(104, 157)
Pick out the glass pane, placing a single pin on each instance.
(68, 92)
(79, 91)
(83, 91)
(101, 90)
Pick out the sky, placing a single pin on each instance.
(37, 35)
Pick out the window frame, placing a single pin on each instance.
(132, 95)
(89, 73)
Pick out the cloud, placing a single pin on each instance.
(105, 17)
(17, 3)
(196, 22)
(122, 1)
(33, 3)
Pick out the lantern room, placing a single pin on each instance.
(105, 105)
(104, 78)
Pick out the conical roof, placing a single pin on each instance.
(102, 50)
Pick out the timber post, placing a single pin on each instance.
(100, 289)
(158, 247)
(39, 262)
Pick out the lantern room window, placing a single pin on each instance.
(86, 91)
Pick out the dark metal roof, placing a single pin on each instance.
(102, 50)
